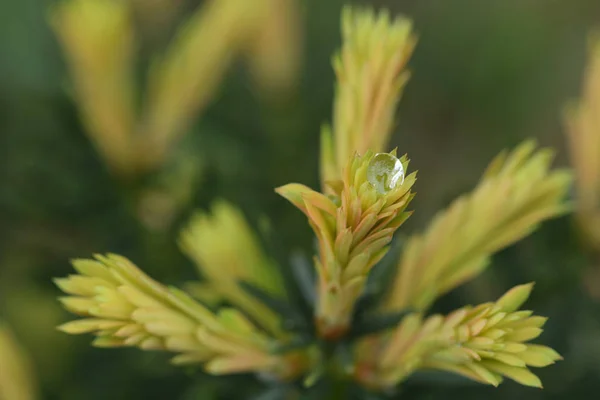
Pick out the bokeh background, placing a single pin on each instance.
(486, 75)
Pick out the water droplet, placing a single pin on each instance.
(385, 172)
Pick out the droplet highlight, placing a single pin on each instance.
(385, 172)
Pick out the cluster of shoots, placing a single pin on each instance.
(368, 298)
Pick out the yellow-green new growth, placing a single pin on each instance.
(370, 77)
(517, 192)
(16, 373)
(583, 130)
(483, 343)
(226, 252)
(353, 233)
(365, 203)
(125, 307)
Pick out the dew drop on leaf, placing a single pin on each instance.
(385, 172)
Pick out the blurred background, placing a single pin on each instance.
(486, 75)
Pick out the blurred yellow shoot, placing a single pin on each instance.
(274, 57)
(226, 252)
(99, 42)
(125, 307)
(517, 192)
(16, 373)
(370, 79)
(583, 133)
(483, 343)
(188, 75)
